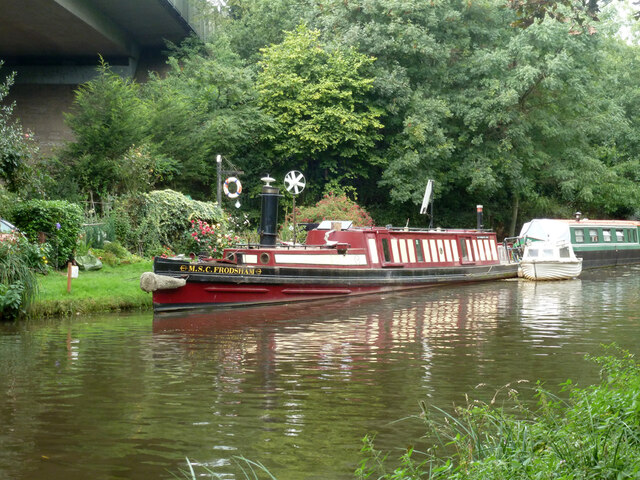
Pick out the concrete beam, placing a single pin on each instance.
(66, 75)
(91, 16)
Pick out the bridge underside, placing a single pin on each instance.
(55, 45)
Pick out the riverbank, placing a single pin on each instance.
(110, 289)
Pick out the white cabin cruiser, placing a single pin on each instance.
(549, 261)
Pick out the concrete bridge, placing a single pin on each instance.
(54, 45)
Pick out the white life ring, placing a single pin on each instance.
(225, 187)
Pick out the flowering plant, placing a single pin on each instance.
(334, 207)
(35, 256)
(210, 240)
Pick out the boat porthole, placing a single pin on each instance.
(231, 257)
(264, 258)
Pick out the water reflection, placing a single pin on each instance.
(551, 307)
(295, 387)
(336, 340)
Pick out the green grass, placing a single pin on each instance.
(107, 290)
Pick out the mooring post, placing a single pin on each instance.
(69, 277)
(219, 173)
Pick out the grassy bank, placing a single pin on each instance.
(107, 290)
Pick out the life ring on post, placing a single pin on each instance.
(225, 187)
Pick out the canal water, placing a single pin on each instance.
(295, 387)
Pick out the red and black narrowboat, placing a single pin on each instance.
(336, 260)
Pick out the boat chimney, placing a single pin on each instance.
(269, 216)
(480, 226)
(578, 216)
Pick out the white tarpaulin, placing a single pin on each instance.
(546, 229)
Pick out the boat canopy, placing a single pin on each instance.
(546, 229)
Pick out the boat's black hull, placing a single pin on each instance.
(607, 258)
(235, 285)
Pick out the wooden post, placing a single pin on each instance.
(219, 173)
(69, 277)
(295, 230)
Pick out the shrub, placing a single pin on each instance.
(116, 249)
(139, 170)
(7, 200)
(334, 207)
(18, 284)
(59, 220)
(147, 223)
(113, 254)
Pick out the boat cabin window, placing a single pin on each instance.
(593, 235)
(579, 234)
(419, 250)
(619, 236)
(564, 252)
(463, 249)
(385, 250)
(540, 253)
(606, 235)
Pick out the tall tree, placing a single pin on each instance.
(495, 114)
(107, 119)
(255, 24)
(324, 122)
(204, 106)
(617, 194)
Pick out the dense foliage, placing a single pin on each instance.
(205, 105)
(151, 222)
(592, 435)
(58, 221)
(529, 109)
(323, 121)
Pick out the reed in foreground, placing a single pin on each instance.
(247, 469)
(594, 434)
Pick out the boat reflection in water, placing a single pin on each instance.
(306, 379)
(551, 307)
(346, 331)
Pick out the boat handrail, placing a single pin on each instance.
(514, 247)
(438, 230)
(279, 246)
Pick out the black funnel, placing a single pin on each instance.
(269, 216)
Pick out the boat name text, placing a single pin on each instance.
(220, 269)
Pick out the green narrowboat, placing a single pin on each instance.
(600, 243)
